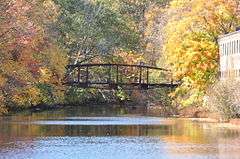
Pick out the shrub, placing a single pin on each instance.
(162, 94)
(78, 96)
(121, 94)
(26, 97)
(46, 93)
(223, 97)
(3, 108)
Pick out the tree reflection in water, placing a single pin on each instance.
(20, 137)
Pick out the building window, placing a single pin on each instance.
(237, 47)
(221, 49)
(229, 48)
(234, 46)
(225, 51)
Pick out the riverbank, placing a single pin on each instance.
(205, 116)
(231, 124)
(189, 113)
(85, 132)
(152, 109)
(55, 107)
(193, 113)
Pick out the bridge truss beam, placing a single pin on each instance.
(115, 76)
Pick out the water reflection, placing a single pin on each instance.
(105, 132)
(101, 121)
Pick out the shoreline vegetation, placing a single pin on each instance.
(188, 113)
(38, 40)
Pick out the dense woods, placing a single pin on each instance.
(38, 38)
(191, 46)
(32, 63)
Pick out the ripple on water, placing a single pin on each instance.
(55, 135)
(102, 121)
(108, 148)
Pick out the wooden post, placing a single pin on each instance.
(171, 82)
(78, 74)
(147, 76)
(72, 75)
(109, 74)
(140, 75)
(87, 75)
(117, 75)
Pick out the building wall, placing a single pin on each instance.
(229, 46)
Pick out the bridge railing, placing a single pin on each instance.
(86, 75)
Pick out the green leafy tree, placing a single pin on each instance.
(92, 28)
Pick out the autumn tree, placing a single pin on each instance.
(28, 54)
(93, 28)
(148, 17)
(191, 47)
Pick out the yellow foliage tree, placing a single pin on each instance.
(191, 46)
(31, 63)
(27, 97)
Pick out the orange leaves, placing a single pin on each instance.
(29, 96)
(191, 45)
(45, 75)
(51, 10)
(2, 81)
(129, 57)
(27, 57)
(17, 72)
(53, 61)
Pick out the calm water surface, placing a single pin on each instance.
(112, 133)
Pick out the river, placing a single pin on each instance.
(104, 132)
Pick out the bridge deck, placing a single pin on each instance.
(111, 76)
